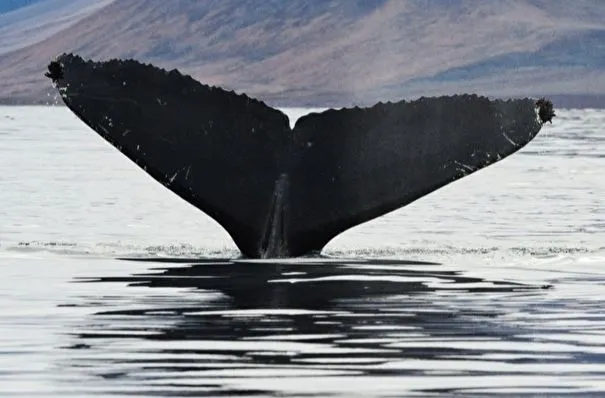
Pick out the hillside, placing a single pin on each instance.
(305, 52)
(10, 5)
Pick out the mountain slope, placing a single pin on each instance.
(34, 23)
(10, 5)
(334, 52)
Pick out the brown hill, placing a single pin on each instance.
(303, 52)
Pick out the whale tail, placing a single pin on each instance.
(280, 191)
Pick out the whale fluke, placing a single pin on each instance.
(279, 191)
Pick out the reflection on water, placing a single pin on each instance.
(321, 327)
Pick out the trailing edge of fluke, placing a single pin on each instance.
(282, 192)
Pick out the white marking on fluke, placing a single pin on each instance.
(509, 139)
(273, 243)
(174, 177)
(464, 166)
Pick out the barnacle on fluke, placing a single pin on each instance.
(546, 110)
(281, 191)
(55, 71)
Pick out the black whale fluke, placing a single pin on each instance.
(278, 191)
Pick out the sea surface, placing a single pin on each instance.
(110, 285)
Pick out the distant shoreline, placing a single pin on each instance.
(561, 101)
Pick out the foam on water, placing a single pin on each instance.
(492, 285)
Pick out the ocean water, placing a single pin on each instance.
(110, 285)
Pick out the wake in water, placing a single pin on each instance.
(186, 250)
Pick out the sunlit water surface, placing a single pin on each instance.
(111, 285)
